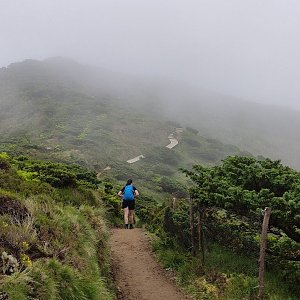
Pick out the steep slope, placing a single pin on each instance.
(265, 130)
(62, 111)
(58, 109)
(261, 129)
(53, 235)
(56, 96)
(54, 114)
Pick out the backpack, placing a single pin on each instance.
(128, 192)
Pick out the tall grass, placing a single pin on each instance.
(225, 275)
(59, 238)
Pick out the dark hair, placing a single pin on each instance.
(129, 181)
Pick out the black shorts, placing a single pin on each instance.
(128, 203)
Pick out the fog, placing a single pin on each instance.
(248, 49)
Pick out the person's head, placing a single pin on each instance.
(129, 181)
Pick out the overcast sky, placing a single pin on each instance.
(245, 48)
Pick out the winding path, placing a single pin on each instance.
(137, 274)
(135, 159)
(173, 143)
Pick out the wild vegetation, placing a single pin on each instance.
(229, 199)
(53, 236)
(55, 113)
(60, 109)
(50, 118)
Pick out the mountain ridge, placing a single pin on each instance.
(60, 87)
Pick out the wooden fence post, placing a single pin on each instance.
(192, 230)
(174, 203)
(200, 233)
(262, 253)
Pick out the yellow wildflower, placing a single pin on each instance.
(25, 246)
(26, 261)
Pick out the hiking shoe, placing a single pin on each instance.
(126, 226)
(130, 226)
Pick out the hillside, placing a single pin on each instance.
(53, 235)
(53, 238)
(267, 130)
(54, 110)
(58, 94)
(67, 117)
(270, 131)
(213, 240)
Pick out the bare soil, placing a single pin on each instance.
(12, 207)
(137, 273)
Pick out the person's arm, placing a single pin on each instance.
(136, 193)
(120, 194)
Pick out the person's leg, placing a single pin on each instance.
(126, 212)
(131, 217)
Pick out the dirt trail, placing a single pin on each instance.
(137, 273)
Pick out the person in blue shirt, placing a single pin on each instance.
(128, 193)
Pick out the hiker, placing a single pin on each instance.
(128, 193)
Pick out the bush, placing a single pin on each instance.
(192, 130)
(4, 164)
(57, 235)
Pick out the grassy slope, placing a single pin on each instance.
(41, 88)
(260, 129)
(226, 275)
(54, 115)
(55, 119)
(58, 237)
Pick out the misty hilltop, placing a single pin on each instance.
(60, 110)
(56, 103)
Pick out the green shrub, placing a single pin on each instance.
(4, 161)
(57, 235)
